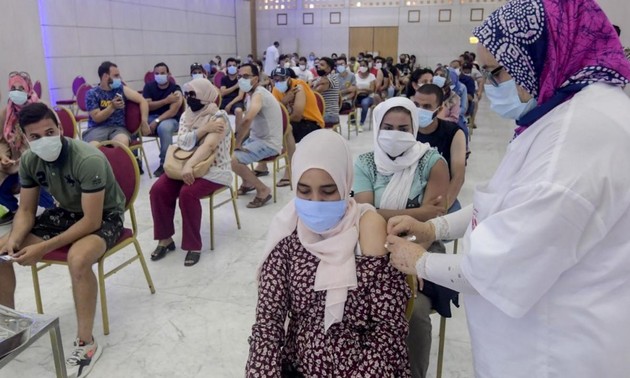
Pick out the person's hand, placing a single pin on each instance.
(6, 162)
(173, 97)
(144, 127)
(407, 226)
(404, 254)
(10, 247)
(290, 95)
(215, 126)
(435, 208)
(228, 108)
(153, 127)
(118, 103)
(187, 174)
(30, 255)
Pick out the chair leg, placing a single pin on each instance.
(101, 287)
(275, 171)
(146, 161)
(287, 166)
(356, 125)
(455, 245)
(211, 203)
(145, 269)
(236, 185)
(38, 293)
(440, 360)
(238, 219)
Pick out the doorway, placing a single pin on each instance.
(383, 40)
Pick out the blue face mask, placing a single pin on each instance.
(439, 81)
(245, 85)
(425, 117)
(505, 102)
(231, 70)
(320, 216)
(341, 69)
(116, 83)
(282, 86)
(160, 79)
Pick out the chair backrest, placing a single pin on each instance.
(81, 96)
(217, 79)
(76, 84)
(68, 123)
(320, 102)
(37, 88)
(286, 119)
(132, 116)
(125, 169)
(149, 77)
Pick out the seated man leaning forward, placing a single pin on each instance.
(106, 106)
(89, 218)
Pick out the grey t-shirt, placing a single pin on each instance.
(267, 125)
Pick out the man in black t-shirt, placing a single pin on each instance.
(232, 98)
(165, 106)
(445, 136)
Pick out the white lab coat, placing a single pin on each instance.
(271, 59)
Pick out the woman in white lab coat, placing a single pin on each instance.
(546, 269)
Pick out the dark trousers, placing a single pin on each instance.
(8, 199)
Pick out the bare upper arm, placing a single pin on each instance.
(255, 104)
(364, 197)
(133, 95)
(299, 103)
(458, 154)
(372, 234)
(438, 182)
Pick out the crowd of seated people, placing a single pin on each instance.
(417, 168)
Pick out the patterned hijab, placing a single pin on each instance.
(11, 132)
(207, 93)
(554, 49)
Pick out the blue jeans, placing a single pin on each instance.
(8, 199)
(365, 104)
(165, 131)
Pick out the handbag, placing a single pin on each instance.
(176, 158)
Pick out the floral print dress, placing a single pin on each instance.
(369, 342)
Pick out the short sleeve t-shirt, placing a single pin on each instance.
(98, 98)
(229, 83)
(364, 83)
(153, 91)
(311, 110)
(367, 178)
(267, 125)
(80, 168)
(346, 82)
(331, 95)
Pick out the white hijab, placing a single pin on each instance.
(336, 272)
(403, 168)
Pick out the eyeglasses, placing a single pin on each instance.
(23, 74)
(491, 76)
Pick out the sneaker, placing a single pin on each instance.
(361, 128)
(158, 172)
(7, 218)
(82, 359)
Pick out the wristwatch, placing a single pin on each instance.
(157, 120)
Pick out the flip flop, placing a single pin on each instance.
(244, 190)
(258, 202)
(283, 182)
(161, 251)
(260, 173)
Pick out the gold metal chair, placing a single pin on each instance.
(127, 175)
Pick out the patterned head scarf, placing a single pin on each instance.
(554, 49)
(11, 132)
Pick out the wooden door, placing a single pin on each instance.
(386, 41)
(361, 40)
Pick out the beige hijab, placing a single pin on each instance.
(207, 93)
(336, 272)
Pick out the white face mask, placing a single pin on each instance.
(378, 66)
(394, 143)
(18, 97)
(302, 67)
(363, 69)
(287, 65)
(47, 148)
(197, 76)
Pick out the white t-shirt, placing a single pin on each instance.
(271, 59)
(306, 75)
(364, 83)
(548, 248)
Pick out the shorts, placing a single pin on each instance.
(53, 222)
(303, 128)
(256, 150)
(103, 133)
(236, 105)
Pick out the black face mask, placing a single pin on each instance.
(321, 73)
(194, 104)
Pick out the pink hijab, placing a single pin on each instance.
(10, 131)
(207, 93)
(336, 272)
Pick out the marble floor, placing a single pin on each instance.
(198, 321)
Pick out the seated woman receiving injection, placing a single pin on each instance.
(326, 271)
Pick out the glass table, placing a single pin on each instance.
(42, 324)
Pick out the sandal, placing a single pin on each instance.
(192, 257)
(245, 189)
(260, 173)
(258, 202)
(283, 182)
(161, 251)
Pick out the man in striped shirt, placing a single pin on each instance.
(328, 85)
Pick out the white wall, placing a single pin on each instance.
(21, 43)
(618, 11)
(134, 34)
(430, 40)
